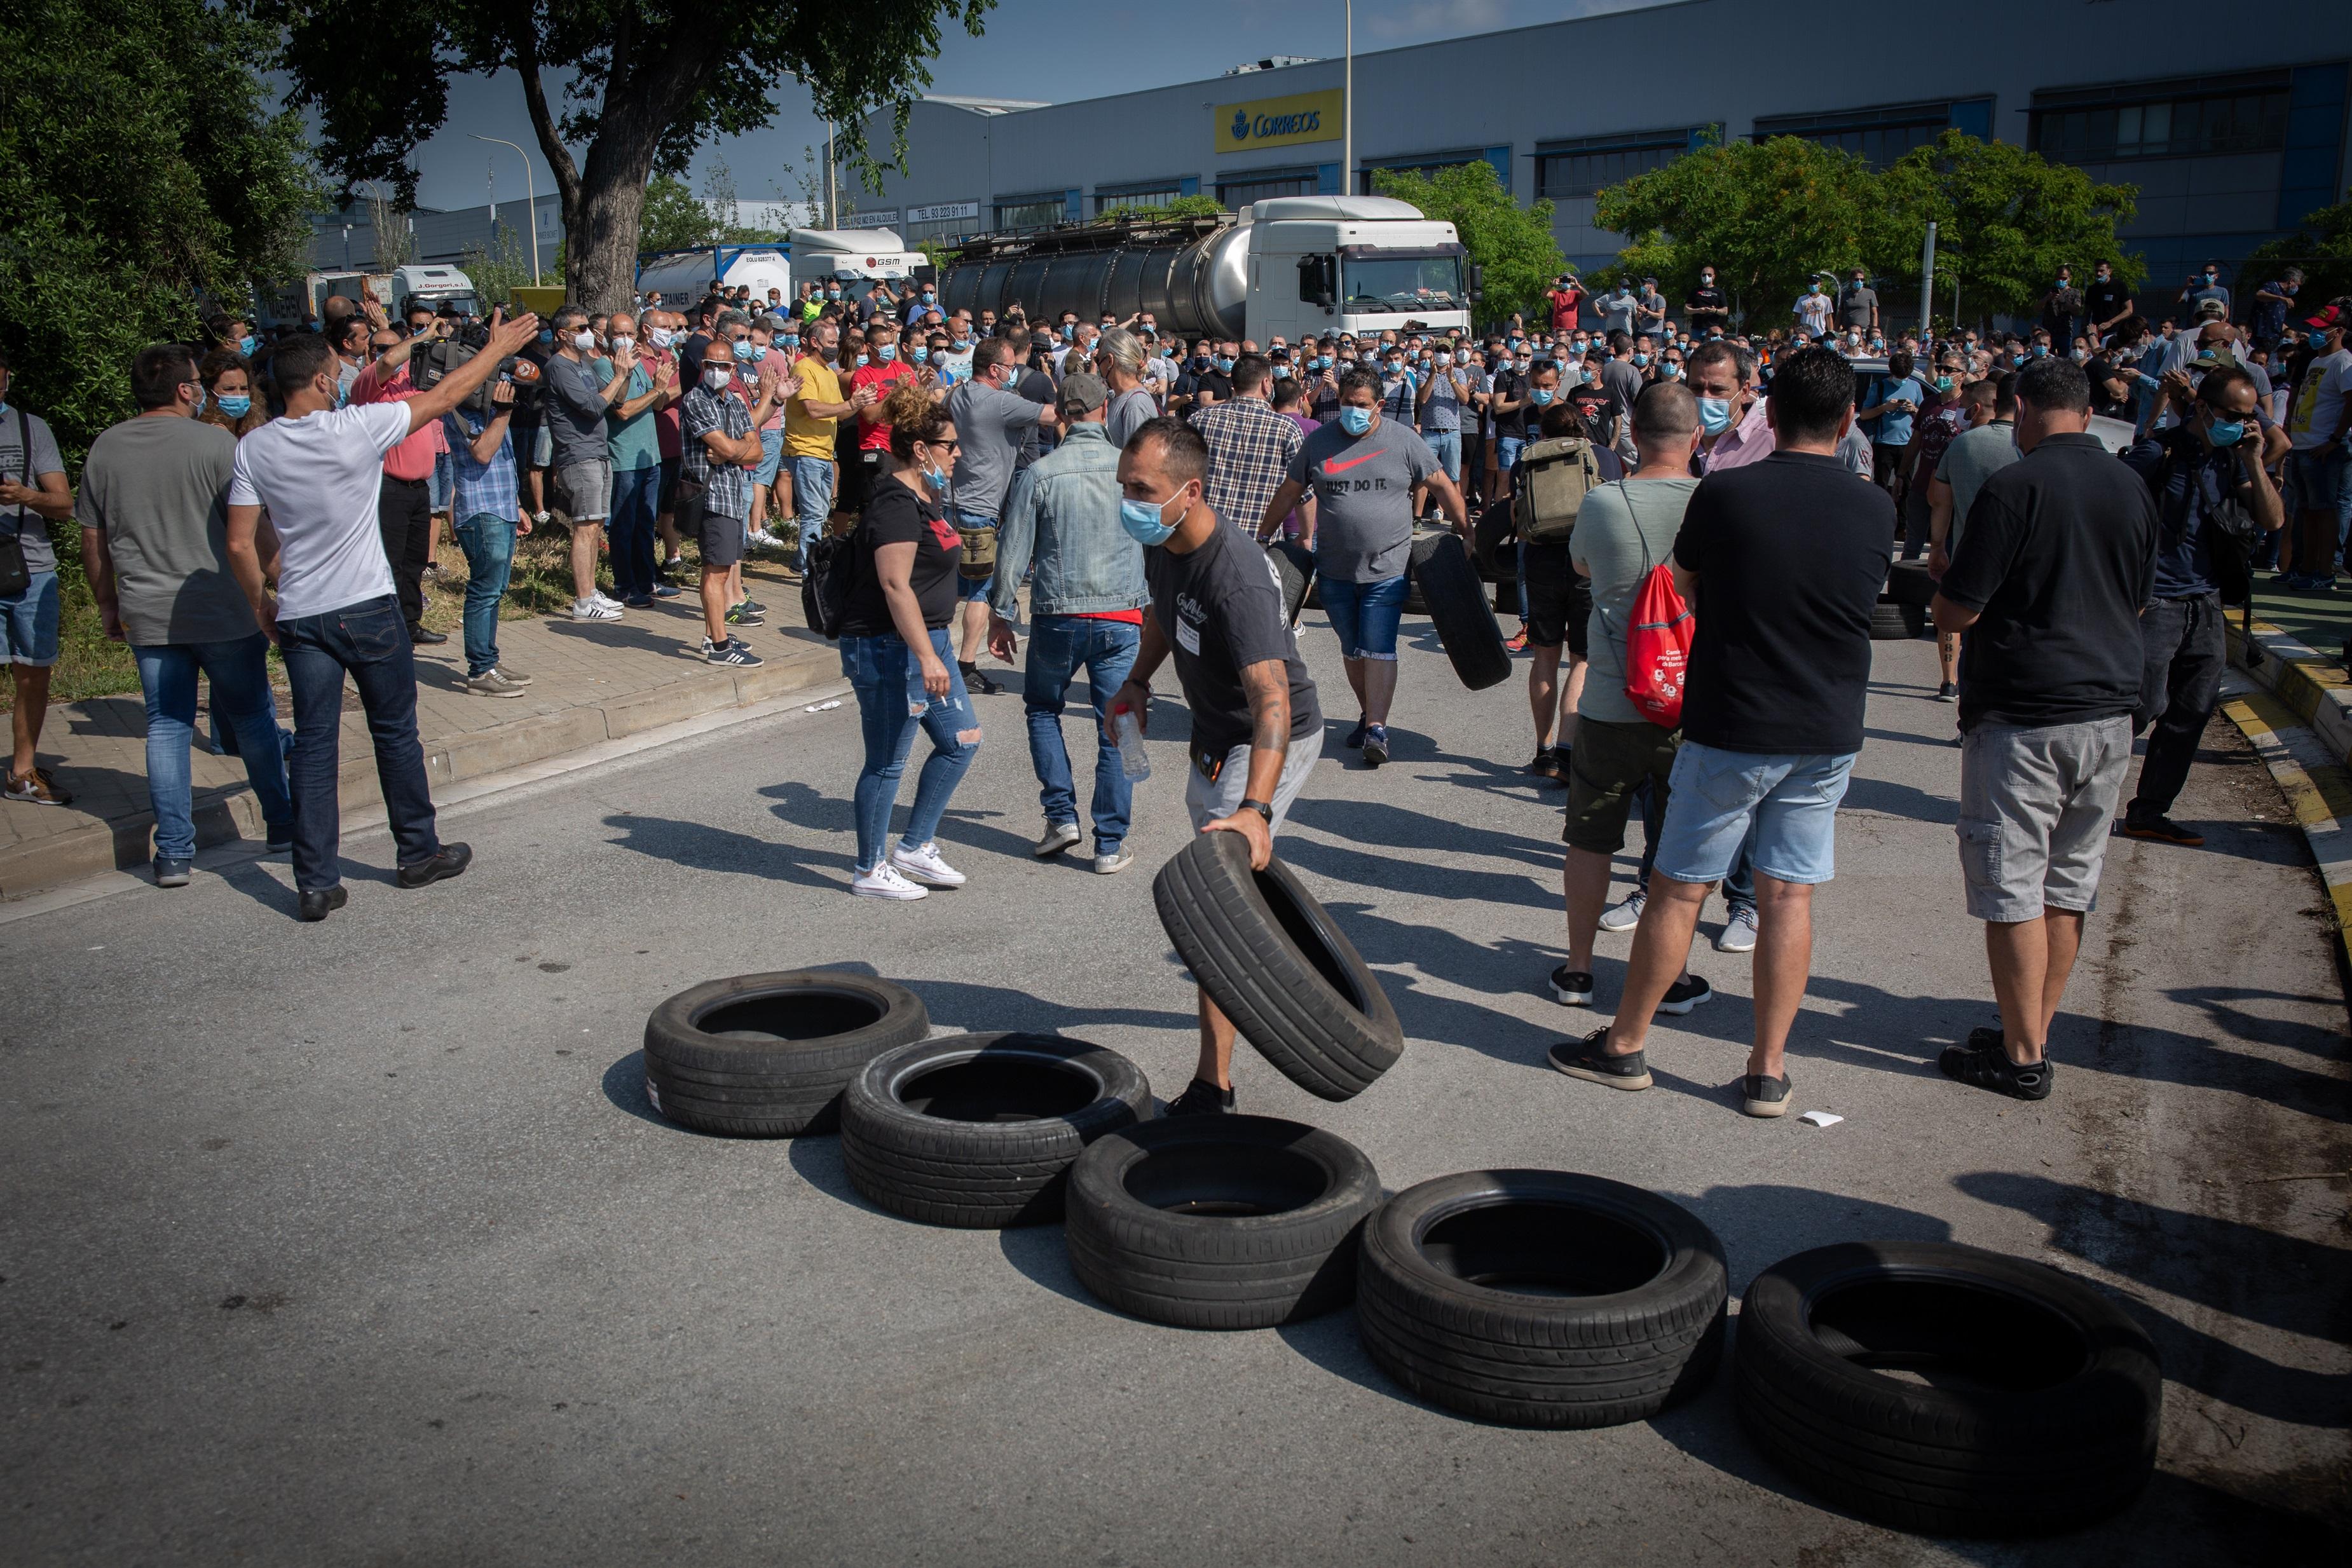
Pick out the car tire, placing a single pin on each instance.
(1489, 534)
(1274, 961)
(1448, 583)
(979, 1130)
(1887, 622)
(767, 1056)
(1907, 583)
(1632, 1319)
(1294, 567)
(1219, 1222)
(2040, 1415)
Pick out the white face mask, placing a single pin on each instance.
(584, 340)
(716, 377)
(624, 343)
(664, 336)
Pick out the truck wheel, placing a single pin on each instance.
(1457, 605)
(767, 1056)
(2026, 1401)
(1220, 1222)
(1888, 622)
(979, 1130)
(1271, 959)
(1540, 1297)
(1294, 564)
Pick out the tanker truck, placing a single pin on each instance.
(1291, 267)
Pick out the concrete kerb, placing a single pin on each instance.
(232, 815)
(2295, 708)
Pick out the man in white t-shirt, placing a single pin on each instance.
(1813, 310)
(317, 472)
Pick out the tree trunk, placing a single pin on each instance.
(600, 256)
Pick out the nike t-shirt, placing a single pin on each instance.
(1363, 497)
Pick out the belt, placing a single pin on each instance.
(397, 479)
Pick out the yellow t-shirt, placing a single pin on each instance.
(805, 435)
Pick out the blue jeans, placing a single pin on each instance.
(634, 493)
(1447, 446)
(812, 503)
(488, 541)
(1365, 615)
(369, 641)
(1717, 801)
(891, 705)
(239, 672)
(1059, 645)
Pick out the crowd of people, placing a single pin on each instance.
(1123, 477)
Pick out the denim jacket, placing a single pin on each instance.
(1064, 510)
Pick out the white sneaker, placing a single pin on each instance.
(1118, 861)
(1626, 916)
(882, 882)
(1739, 933)
(590, 609)
(1057, 837)
(601, 597)
(760, 539)
(924, 865)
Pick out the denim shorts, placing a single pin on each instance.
(1714, 796)
(32, 618)
(1365, 615)
(771, 456)
(2321, 481)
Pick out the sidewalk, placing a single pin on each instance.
(2295, 706)
(594, 682)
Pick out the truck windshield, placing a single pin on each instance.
(1402, 282)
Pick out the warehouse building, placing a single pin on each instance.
(2232, 133)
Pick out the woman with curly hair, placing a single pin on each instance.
(894, 648)
(229, 403)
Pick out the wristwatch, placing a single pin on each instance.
(1262, 809)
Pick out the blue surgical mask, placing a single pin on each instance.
(926, 297)
(236, 405)
(2316, 340)
(833, 294)
(2040, 349)
(747, 350)
(887, 351)
(1715, 414)
(1225, 364)
(1354, 420)
(920, 356)
(2226, 432)
(1641, 359)
(861, 359)
(936, 479)
(1145, 523)
(547, 334)
(245, 345)
(1543, 395)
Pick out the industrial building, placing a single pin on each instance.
(2232, 126)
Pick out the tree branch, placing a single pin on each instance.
(534, 94)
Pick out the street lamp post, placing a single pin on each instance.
(531, 196)
(1347, 110)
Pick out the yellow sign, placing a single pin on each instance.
(1279, 121)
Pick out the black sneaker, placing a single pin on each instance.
(450, 860)
(1988, 1067)
(1762, 1096)
(1561, 758)
(1684, 995)
(2160, 830)
(1201, 1099)
(317, 904)
(1583, 1059)
(1547, 765)
(1947, 693)
(1572, 987)
(1356, 735)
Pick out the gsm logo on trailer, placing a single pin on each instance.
(1277, 121)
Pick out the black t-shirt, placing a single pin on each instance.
(2058, 556)
(1221, 608)
(2101, 369)
(689, 360)
(1037, 386)
(2107, 299)
(1791, 554)
(1512, 388)
(1216, 384)
(895, 515)
(1705, 300)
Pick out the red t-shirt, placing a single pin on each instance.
(1564, 302)
(665, 417)
(876, 437)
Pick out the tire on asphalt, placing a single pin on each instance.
(1294, 564)
(1541, 1298)
(1273, 959)
(767, 1056)
(1494, 529)
(1219, 1222)
(1449, 584)
(979, 1130)
(1907, 583)
(1888, 622)
(2027, 1402)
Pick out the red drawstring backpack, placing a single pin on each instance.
(1657, 647)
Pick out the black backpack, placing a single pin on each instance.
(831, 564)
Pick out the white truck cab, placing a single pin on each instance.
(1352, 264)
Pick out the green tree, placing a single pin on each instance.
(1767, 215)
(2321, 245)
(672, 218)
(1181, 207)
(497, 270)
(1513, 243)
(2006, 219)
(647, 85)
(142, 173)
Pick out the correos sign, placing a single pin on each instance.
(1279, 121)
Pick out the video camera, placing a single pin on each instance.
(429, 362)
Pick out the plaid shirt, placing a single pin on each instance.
(1250, 449)
(480, 489)
(729, 484)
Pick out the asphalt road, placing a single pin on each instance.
(359, 1243)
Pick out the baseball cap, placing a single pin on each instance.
(1081, 391)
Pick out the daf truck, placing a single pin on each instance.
(1293, 267)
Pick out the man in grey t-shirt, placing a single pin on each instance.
(1352, 483)
(33, 495)
(1975, 456)
(1617, 308)
(155, 542)
(991, 421)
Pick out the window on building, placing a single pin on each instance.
(1878, 136)
(1042, 213)
(1568, 171)
(2162, 119)
(1425, 170)
(1237, 194)
(1106, 200)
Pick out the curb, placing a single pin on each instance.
(233, 814)
(2309, 683)
(2297, 723)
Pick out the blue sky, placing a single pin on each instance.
(1052, 50)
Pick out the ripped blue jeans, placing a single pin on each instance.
(892, 705)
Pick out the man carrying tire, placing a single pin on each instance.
(1352, 483)
(1256, 726)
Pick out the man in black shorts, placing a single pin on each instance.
(1256, 726)
(1558, 603)
(720, 440)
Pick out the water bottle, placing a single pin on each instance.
(1132, 759)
